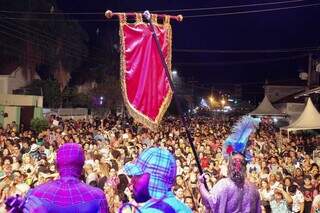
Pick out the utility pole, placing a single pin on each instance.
(309, 70)
(192, 89)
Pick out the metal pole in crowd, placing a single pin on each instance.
(147, 15)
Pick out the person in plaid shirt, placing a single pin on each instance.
(153, 175)
(68, 193)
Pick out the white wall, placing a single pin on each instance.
(16, 80)
(12, 115)
(276, 92)
(67, 113)
(294, 110)
(3, 84)
(21, 100)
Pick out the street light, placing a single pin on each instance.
(211, 98)
(175, 77)
(174, 72)
(101, 100)
(223, 102)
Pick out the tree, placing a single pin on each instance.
(81, 100)
(110, 90)
(35, 39)
(53, 98)
(50, 91)
(39, 124)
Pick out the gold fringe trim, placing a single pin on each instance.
(154, 18)
(139, 18)
(137, 115)
(166, 20)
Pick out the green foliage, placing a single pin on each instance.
(53, 98)
(81, 100)
(111, 91)
(71, 98)
(39, 124)
(50, 91)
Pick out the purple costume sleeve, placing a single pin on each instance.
(225, 196)
(103, 206)
(258, 203)
(218, 196)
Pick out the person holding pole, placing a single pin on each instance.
(234, 193)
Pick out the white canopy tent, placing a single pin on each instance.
(309, 119)
(266, 109)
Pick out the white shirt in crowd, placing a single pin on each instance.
(224, 169)
(254, 167)
(316, 202)
(179, 170)
(22, 189)
(91, 177)
(266, 195)
(297, 199)
(275, 186)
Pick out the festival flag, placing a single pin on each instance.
(145, 87)
(145, 68)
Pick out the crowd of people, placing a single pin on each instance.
(283, 169)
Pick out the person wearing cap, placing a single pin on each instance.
(34, 151)
(281, 201)
(153, 175)
(68, 193)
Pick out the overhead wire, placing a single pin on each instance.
(31, 58)
(31, 29)
(290, 50)
(207, 15)
(40, 44)
(156, 11)
(57, 20)
(250, 11)
(228, 7)
(209, 87)
(73, 53)
(35, 30)
(216, 51)
(185, 16)
(69, 49)
(225, 63)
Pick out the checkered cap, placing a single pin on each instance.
(70, 159)
(160, 164)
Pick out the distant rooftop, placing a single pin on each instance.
(7, 69)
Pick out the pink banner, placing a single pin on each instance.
(145, 87)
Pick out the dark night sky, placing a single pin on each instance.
(293, 28)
